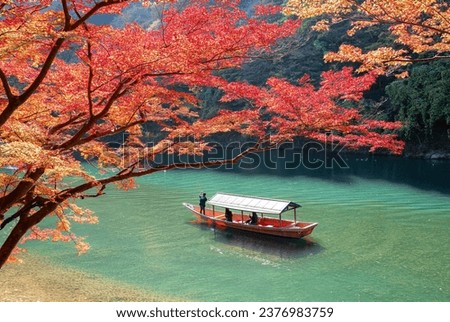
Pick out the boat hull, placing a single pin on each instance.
(267, 226)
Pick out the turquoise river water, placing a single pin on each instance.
(383, 235)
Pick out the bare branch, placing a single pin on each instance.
(99, 193)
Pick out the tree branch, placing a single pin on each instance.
(67, 16)
(12, 106)
(99, 193)
(93, 10)
(394, 20)
(108, 133)
(129, 173)
(60, 126)
(92, 120)
(20, 213)
(21, 190)
(418, 60)
(90, 78)
(6, 86)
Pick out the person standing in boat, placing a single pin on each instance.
(202, 202)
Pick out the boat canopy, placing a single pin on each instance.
(249, 203)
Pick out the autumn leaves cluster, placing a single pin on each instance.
(418, 27)
(70, 87)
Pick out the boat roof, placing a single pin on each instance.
(250, 203)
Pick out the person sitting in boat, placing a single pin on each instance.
(202, 202)
(253, 219)
(228, 214)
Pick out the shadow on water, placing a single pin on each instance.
(285, 248)
(343, 168)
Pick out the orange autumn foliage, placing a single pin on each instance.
(418, 27)
(69, 86)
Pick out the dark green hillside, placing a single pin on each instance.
(422, 103)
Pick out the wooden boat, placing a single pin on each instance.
(242, 207)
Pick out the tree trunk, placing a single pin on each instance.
(21, 228)
(13, 239)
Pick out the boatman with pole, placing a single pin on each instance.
(202, 202)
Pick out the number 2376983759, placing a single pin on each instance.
(301, 312)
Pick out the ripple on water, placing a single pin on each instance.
(377, 240)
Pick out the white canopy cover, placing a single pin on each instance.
(249, 203)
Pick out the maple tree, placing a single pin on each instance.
(321, 114)
(69, 86)
(419, 27)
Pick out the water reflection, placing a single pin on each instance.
(284, 248)
(423, 174)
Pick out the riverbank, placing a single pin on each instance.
(37, 280)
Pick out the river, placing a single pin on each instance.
(383, 234)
